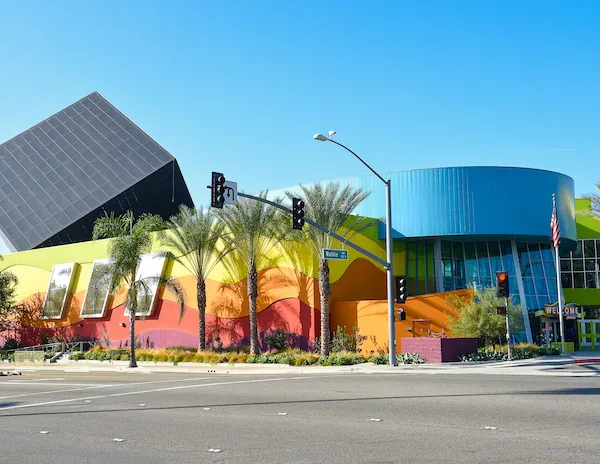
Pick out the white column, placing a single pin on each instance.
(519, 278)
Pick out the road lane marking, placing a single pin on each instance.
(181, 387)
(88, 387)
(46, 384)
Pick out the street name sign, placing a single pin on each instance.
(335, 254)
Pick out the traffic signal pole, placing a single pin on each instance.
(390, 273)
(508, 331)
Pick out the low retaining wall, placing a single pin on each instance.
(438, 350)
(29, 358)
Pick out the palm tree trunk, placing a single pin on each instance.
(252, 294)
(132, 361)
(132, 310)
(201, 295)
(324, 292)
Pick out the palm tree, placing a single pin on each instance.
(8, 284)
(254, 229)
(130, 240)
(329, 206)
(194, 237)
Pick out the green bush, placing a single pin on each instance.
(342, 341)
(341, 358)
(404, 358)
(521, 351)
(276, 340)
(76, 356)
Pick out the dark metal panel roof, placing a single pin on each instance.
(68, 165)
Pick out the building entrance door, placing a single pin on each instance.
(551, 330)
(589, 333)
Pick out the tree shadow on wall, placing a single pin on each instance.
(232, 303)
(301, 266)
(31, 329)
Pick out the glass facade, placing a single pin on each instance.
(420, 267)
(474, 264)
(580, 268)
(538, 272)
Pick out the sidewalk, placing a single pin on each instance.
(562, 365)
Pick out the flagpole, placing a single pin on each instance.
(558, 285)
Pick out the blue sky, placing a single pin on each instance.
(241, 87)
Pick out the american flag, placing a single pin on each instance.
(554, 225)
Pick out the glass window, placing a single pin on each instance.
(528, 286)
(412, 286)
(457, 250)
(446, 249)
(421, 250)
(58, 291)
(577, 253)
(589, 248)
(578, 264)
(421, 268)
(578, 280)
(469, 250)
(598, 248)
(411, 252)
(550, 270)
(552, 287)
(591, 280)
(565, 264)
(566, 280)
(411, 269)
(149, 272)
(590, 264)
(547, 252)
(97, 293)
(540, 287)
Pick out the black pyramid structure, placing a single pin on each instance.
(59, 176)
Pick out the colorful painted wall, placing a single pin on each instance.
(288, 296)
(425, 314)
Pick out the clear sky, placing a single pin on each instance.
(241, 86)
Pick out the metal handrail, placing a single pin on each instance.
(59, 348)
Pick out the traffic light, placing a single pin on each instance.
(501, 310)
(401, 292)
(502, 284)
(217, 190)
(297, 213)
(401, 315)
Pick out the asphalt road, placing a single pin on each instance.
(180, 418)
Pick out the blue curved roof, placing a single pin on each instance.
(474, 202)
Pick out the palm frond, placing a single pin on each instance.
(330, 206)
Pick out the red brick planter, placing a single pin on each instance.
(438, 350)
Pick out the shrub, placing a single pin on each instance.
(409, 358)
(404, 358)
(342, 341)
(520, 351)
(276, 340)
(305, 359)
(341, 358)
(11, 344)
(76, 356)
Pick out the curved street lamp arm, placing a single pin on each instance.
(361, 160)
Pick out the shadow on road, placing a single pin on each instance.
(564, 391)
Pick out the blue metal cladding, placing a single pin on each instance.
(470, 202)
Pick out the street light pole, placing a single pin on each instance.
(388, 245)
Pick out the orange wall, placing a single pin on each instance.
(371, 318)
